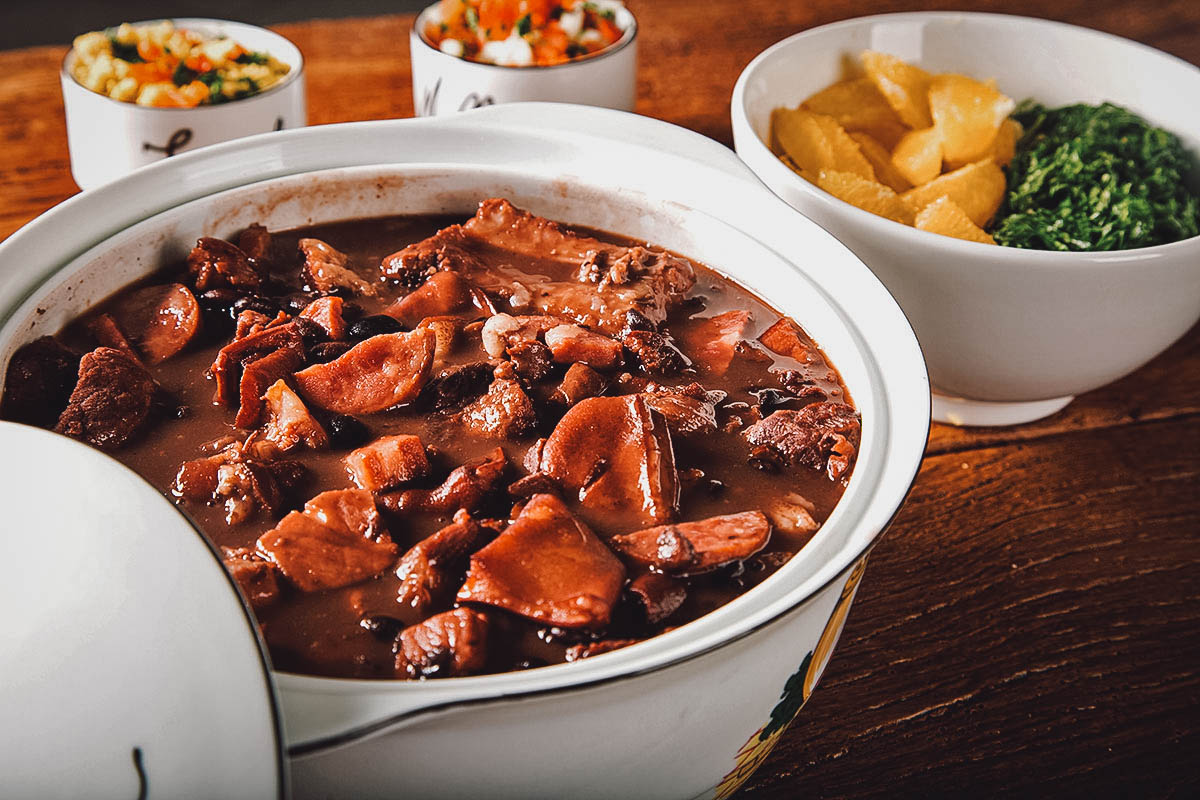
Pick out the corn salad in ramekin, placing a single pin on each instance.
(163, 66)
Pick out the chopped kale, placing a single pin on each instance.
(252, 58)
(524, 25)
(182, 75)
(1096, 178)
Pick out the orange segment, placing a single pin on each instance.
(976, 188)
(865, 194)
(856, 105)
(969, 113)
(881, 161)
(904, 86)
(945, 217)
(815, 142)
(918, 155)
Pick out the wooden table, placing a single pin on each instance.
(1031, 623)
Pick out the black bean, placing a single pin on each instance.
(367, 327)
(310, 332)
(255, 302)
(382, 627)
(346, 431)
(297, 301)
(323, 352)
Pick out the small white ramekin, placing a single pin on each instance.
(444, 84)
(108, 138)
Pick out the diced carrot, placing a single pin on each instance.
(198, 62)
(148, 50)
(496, 17)
(151, 72)
(608, 29)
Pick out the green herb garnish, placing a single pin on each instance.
(524, 25)
(182, 75)
(252, 58)
(1095, 178)
(472, 18)
(125, 52)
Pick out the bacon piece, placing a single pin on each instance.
(821, 435)
(255, 242)
(442, 293)
(549, 567)
(504, 411)
(161, 320)
(387, 461)
(214, 263)
(379, 373)
(465, 487)
(289, 422)
(616, 452)
(338, 539)
(655, 352)
(257, 376)
(226, 369)
(786, 339)
(257, 577)
(688, 548)
(710, 342)
(327, 312)
(111, 401)
(446, 645)
(572, 344)
(658, 596)
(686, 410)
(429, 569)
(325, 269)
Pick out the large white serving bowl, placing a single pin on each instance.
(687, 714)
(1009, 335)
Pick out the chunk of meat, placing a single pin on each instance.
(710, 342)
(325, 269)
(38, 382)
(216, 263)
(250, 321)
(108, 333)
(689, 548)
(655, 352)
(387, 462)
(786, 339)
(226, 369)
(445, 332)
(572, 344)
(686, 413)
(549, 567)
(256, 577)
(447, 645)
(327, 312)
(658, 596)
(454, 387)
(616, 452)
(379, 373)
(630, 278)
(504, 411)
(338, 539)
(442, 293)
(577, 652)
(289, 423)
(433, 567)
(793, 514)
(237, 479)
(466, 487)
(112, 400)
(255, 242)
(821, 435)
(579, 383)
(258, 375)
(502, 330)
(161, 320)
(531, 361)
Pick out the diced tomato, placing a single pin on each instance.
(551, 46)
(151, 72)
(453, 12)
(497, 17)
(608, 29)
(198, 62)
(538, 10)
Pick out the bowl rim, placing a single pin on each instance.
(760, 154)
(297, 69)
(628, 35)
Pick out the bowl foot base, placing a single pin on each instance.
(962, 411)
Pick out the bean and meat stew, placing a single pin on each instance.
(432, 449)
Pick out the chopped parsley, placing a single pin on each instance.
(252, 58)
(524, 25)
(472, 18)
(1096, 178)
(182, 75)
(125, 52)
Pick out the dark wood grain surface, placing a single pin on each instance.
(1031, 623)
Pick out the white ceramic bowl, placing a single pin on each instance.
(108, 138)
(1009, 335)
(683, 715)
(444, 84)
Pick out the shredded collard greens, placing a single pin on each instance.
(1095, 178)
